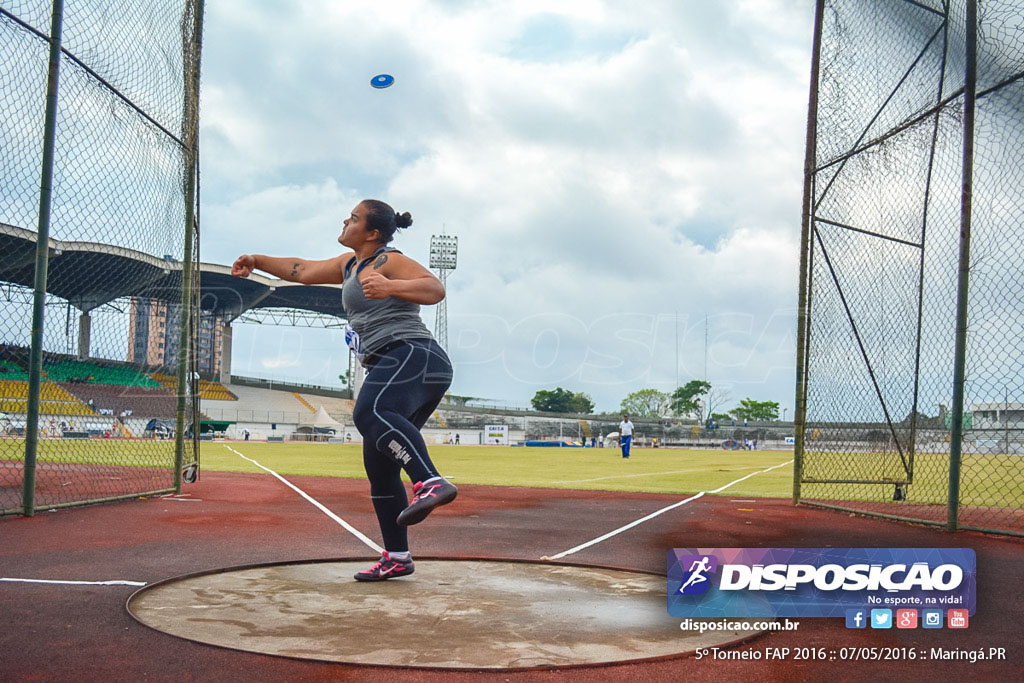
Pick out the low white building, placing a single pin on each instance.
(998, 427)
(999, 415)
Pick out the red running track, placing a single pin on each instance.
(84, 633)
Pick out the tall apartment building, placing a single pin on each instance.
(153, 329)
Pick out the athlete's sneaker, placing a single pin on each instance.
(387, 568)
(426, 497)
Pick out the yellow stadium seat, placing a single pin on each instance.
(53, 399)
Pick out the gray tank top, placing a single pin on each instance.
(379, 322)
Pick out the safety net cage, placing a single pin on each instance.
(99, 237)
(910, 391)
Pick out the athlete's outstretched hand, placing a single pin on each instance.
(243, 266)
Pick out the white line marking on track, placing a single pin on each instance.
(76, 583)
(348, 527)
(673, 506)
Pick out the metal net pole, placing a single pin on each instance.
(963, 272)
(42, 262)
(800, 412)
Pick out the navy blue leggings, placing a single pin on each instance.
(397, 397)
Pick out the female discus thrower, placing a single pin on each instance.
(407, 371)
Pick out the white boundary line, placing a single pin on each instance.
(640, 521)
(643, 474)
(348, 527)
(76, 583)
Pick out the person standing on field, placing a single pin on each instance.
(407, 375)
(625, 435)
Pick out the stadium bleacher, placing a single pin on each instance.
(133, 400)
(10, 370)
(208, 390)
(54, 399)
(338, 408)
(253, 403)
(73, 387)
(85, 372)
(106, 395)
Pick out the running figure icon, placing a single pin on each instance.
(697, 570)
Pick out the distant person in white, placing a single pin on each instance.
(625, 435)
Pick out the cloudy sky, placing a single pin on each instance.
(624, 179)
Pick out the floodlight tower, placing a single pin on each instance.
(443, 252)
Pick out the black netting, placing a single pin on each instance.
(123, 156)
(883, 253)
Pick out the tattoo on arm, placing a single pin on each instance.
(381, 260)
(295, 269)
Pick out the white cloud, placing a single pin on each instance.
(285, 361)
(649, 166)
(305, 220)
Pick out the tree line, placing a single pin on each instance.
(696, 399)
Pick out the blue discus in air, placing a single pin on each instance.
(382, 81)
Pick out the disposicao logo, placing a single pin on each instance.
(824, 582)
(696, 580)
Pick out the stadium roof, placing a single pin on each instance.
(89, 274)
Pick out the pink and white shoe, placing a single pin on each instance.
(387, 568)
(426, 497)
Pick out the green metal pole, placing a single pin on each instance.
(184, 335)
(912, 445)
(810, 161)
(35, 368)
(966, 196)
(192, 52)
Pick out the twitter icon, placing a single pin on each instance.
(881, 618)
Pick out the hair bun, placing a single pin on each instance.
(403, 220)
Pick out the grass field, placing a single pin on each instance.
(133, 452)
(988, 480)
(648, 470)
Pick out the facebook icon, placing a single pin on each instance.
(856, 618)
